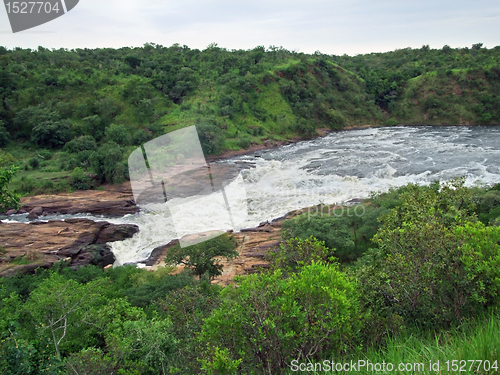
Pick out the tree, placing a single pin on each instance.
(133, 61)
(59, 308)
(8, 199)
(211, 138)
(144, 341)
(185, 82)
(202, 257)
(4, 135)
(51, 133)
(107, 163)
(82, 143)
(118, 134)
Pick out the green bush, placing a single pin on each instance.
(4, 135)
(140, 137)
(8, 199)
(187, 308)
(53, 134)
(304, 127)
(336, 119)
(107, 163)
(34, 163)
(418, 272)
(211, 138)
(244, 142)
(79, 180)
(268, 320)
(391, 122)
(489, 207)
(295, 253)
(44, 154)
(333, 231)
(118, 134)
(82, 143)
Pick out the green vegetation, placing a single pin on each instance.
(201, 258)
(7, 198)
(422, 285)
(63, 109)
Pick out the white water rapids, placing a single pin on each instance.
(333, 169)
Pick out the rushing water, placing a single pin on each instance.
(333, 169)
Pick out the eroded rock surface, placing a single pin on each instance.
(114, 201)
(25, 247)
(253, 246)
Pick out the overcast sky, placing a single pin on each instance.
(332, 27)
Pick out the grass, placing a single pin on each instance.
(477, 340)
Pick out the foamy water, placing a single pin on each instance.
(333, 169)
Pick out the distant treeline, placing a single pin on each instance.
(105, 102)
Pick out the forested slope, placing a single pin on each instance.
(88, 109)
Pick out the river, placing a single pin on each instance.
(333, 169)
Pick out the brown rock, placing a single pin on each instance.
(42, 244)
(11, 212)
(114, 201)
(35, 213)
(253, 246)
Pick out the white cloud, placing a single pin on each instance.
(338, 26)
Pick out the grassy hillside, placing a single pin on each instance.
(69, 119)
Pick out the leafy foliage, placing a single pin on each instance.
(269, 320)
(418, 272)
(7, 198)
(202, 257)
(107, 163)
(211, 138)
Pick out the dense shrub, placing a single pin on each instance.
(244, 142)
(82, 143)
(8, 199)
(295, 253)
(337, 120)
(4, 135)
(419, 271)
(34, 163)
(118, 134)
(269, 320)
(187, 308)
(211, 138)
(79, 180)
(333, 231)
(107, 163)
(51, 133)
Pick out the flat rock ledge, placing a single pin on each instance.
(25, 247)
(113, 201)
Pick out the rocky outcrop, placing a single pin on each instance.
(25, 247)
(253, 246)
(114, 201)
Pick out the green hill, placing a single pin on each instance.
(69, 119)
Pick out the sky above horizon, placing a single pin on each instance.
(332, 27)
